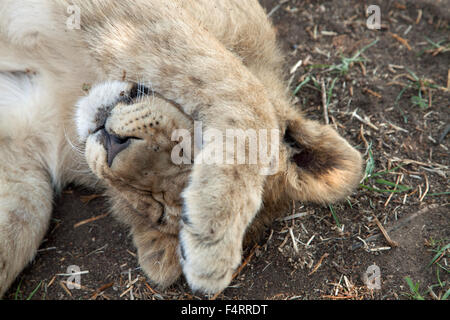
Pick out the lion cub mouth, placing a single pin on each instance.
(113, 145)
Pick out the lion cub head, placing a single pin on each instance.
(129, 131)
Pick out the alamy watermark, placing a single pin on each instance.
(373, 22)
(73, 22)
(374, 17)
(372, 277)
(73, 274)
(229, 146)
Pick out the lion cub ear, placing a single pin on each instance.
(322, 166)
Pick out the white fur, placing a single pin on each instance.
(25, 22)
(21, 94)
(28, 109)
(100, 96)
(37, 95)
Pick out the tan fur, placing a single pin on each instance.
(211, 61)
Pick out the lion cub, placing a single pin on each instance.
(131, 145)
(158, 68)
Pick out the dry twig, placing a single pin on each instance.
(401, 40)
(100, 290)
(89, 198)
(324, 103)
(391, 242)
(365, 121)
(392, 193)
(90, 220)
(399, 224)
(294, 242)
(373, 93)
(318, 264)
(427, 187)
(61, 283)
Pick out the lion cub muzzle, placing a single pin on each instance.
(113, 145)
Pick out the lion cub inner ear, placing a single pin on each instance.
(322, 166)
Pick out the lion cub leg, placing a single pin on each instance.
(26, 191)
(155, 238)
(25, 208)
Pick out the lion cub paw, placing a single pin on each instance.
(207, 266)
(157, 253)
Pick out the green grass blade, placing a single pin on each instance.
(436, 45)
(301, 85)
(16, 294)
(439, 278)
(414, 288)
(318, 66)
(34, 291)
(380, 190)
(400, 187)
(370, 166)
(412, 74)
(438, 194)
(330, 91)
(349, 203)
(335, 217)
(366, 47)
(445, 296)
(439, 253)
(386, 171)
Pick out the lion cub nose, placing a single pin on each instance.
(113, 145)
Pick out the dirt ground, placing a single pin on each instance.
(390, 98)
